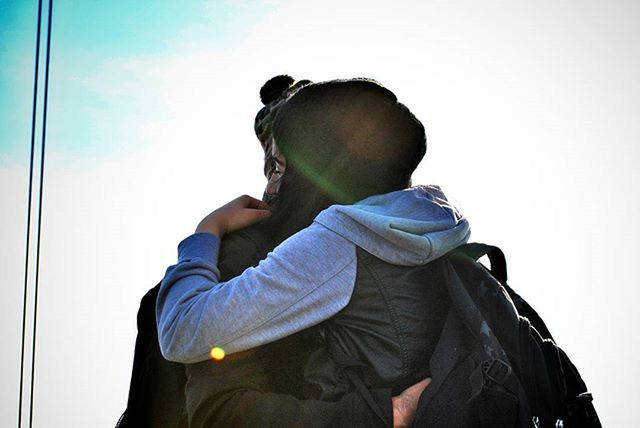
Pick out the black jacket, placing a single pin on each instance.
(389, 329)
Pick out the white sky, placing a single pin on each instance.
(531, 112)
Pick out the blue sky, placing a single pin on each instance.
(18, 34)
(87, 37)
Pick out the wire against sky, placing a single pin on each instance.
(40, 211)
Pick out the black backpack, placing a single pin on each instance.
(495, 364)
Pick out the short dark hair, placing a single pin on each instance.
(350, 138)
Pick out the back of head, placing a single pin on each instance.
(350, 138)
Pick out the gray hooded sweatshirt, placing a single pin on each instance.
(305, 280)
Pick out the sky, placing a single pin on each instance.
(531, 115)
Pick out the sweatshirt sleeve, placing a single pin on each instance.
(304, 281)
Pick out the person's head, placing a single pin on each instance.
(343, 140)
(350, 138)
(273, 94)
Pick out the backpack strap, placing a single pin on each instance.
(349, 366)
(496, 257)
(499, 271)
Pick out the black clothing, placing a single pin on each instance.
(258, 387)
(264, 386)
(390, 326)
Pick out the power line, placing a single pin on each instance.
(26, 258)
(40, 211)
(44, 137)
(44, 134)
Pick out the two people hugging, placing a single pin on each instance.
(325, 296)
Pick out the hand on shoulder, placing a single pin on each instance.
(241, 212)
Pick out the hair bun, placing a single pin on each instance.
(273, 88)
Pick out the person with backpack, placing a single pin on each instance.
(521, 379)
(362, 270)
(156, 392)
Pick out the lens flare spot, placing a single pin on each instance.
(217, 353)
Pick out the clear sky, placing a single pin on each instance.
(531, 114)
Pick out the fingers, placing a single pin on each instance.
(254, 215)
(406, 404)
(241, 212)
(422, 384)
(247, 201)
(259, 204)
(416, 389)
(242, 217)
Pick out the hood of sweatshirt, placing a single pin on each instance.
(407, 227)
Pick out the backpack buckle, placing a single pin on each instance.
(496, 370)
